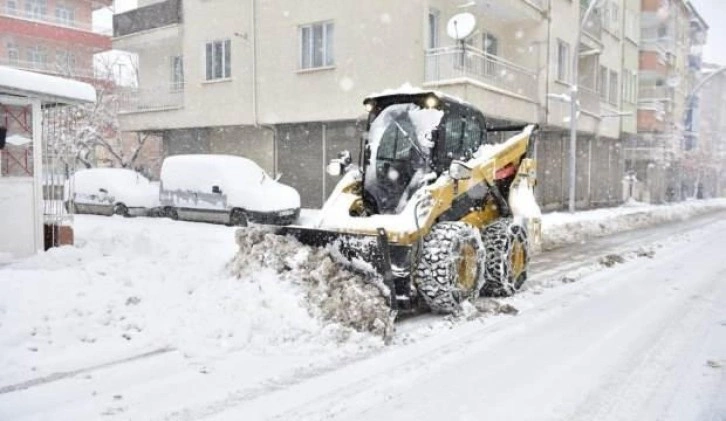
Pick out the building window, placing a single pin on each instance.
(613, 87)
(65, 61)
(316, 45)
(11, 7)
(37, 57)
(490, 44)
(563, 57)
(433, 28)
(218, 63)
(65, 15)
(177, 73)
(614, 16)
(626, 86)
(602, 78)
(13, 53)
(36, 9)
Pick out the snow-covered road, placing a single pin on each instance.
(643, 339)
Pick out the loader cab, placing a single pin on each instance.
(410, 137)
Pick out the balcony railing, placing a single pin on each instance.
(45, 18)
(656, 93)
(48, 68)
(153, 16)
(449, 63)
(134, 100)
(589, 99)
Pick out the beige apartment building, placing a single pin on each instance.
(282, 81)
(672, 37)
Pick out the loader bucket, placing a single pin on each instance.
(358, 249)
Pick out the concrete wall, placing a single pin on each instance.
(253, 143)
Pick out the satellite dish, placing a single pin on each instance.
(461, 26)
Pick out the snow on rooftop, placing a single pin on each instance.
(15, 81)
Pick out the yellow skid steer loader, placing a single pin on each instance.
(435, 205)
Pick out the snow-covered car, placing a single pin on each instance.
(108, 191)
(225, 189)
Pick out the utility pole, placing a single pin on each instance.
(573, 102)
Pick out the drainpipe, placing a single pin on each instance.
(255, 113)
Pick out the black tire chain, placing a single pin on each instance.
(437, 268)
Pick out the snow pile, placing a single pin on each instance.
(559, 229)
(341, 298)
(134, 286)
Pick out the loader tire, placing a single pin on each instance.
(451, 265)
(507, 257)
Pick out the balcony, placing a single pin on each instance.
(511, 11)
(452, 63)
(166, 98)
(49, 68)
(589, 100)
(157, 15)
(648, 94)
(45, 18)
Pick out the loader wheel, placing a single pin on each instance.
(451, 266)
(507, 257)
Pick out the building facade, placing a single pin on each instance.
(51, 36)
(282, 81)
(710, 152)
(672, 36)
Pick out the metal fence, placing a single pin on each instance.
(456, 62)
(169, 97)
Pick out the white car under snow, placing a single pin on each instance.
(107, 191)
(225, 189)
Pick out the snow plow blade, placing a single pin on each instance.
(369, 254)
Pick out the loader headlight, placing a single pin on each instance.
(431, 102)
(369, 107)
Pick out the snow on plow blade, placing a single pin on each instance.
(370, 254)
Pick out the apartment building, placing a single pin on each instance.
(672, 36)
(51, 36)
(282, 81)
(711, 148)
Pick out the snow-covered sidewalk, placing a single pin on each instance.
(560, 228)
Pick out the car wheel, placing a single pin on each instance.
(121, 209)
(172, 213)
(238, 218)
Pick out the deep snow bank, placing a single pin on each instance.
(134, 285)
(559, 229)
(332, 293)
